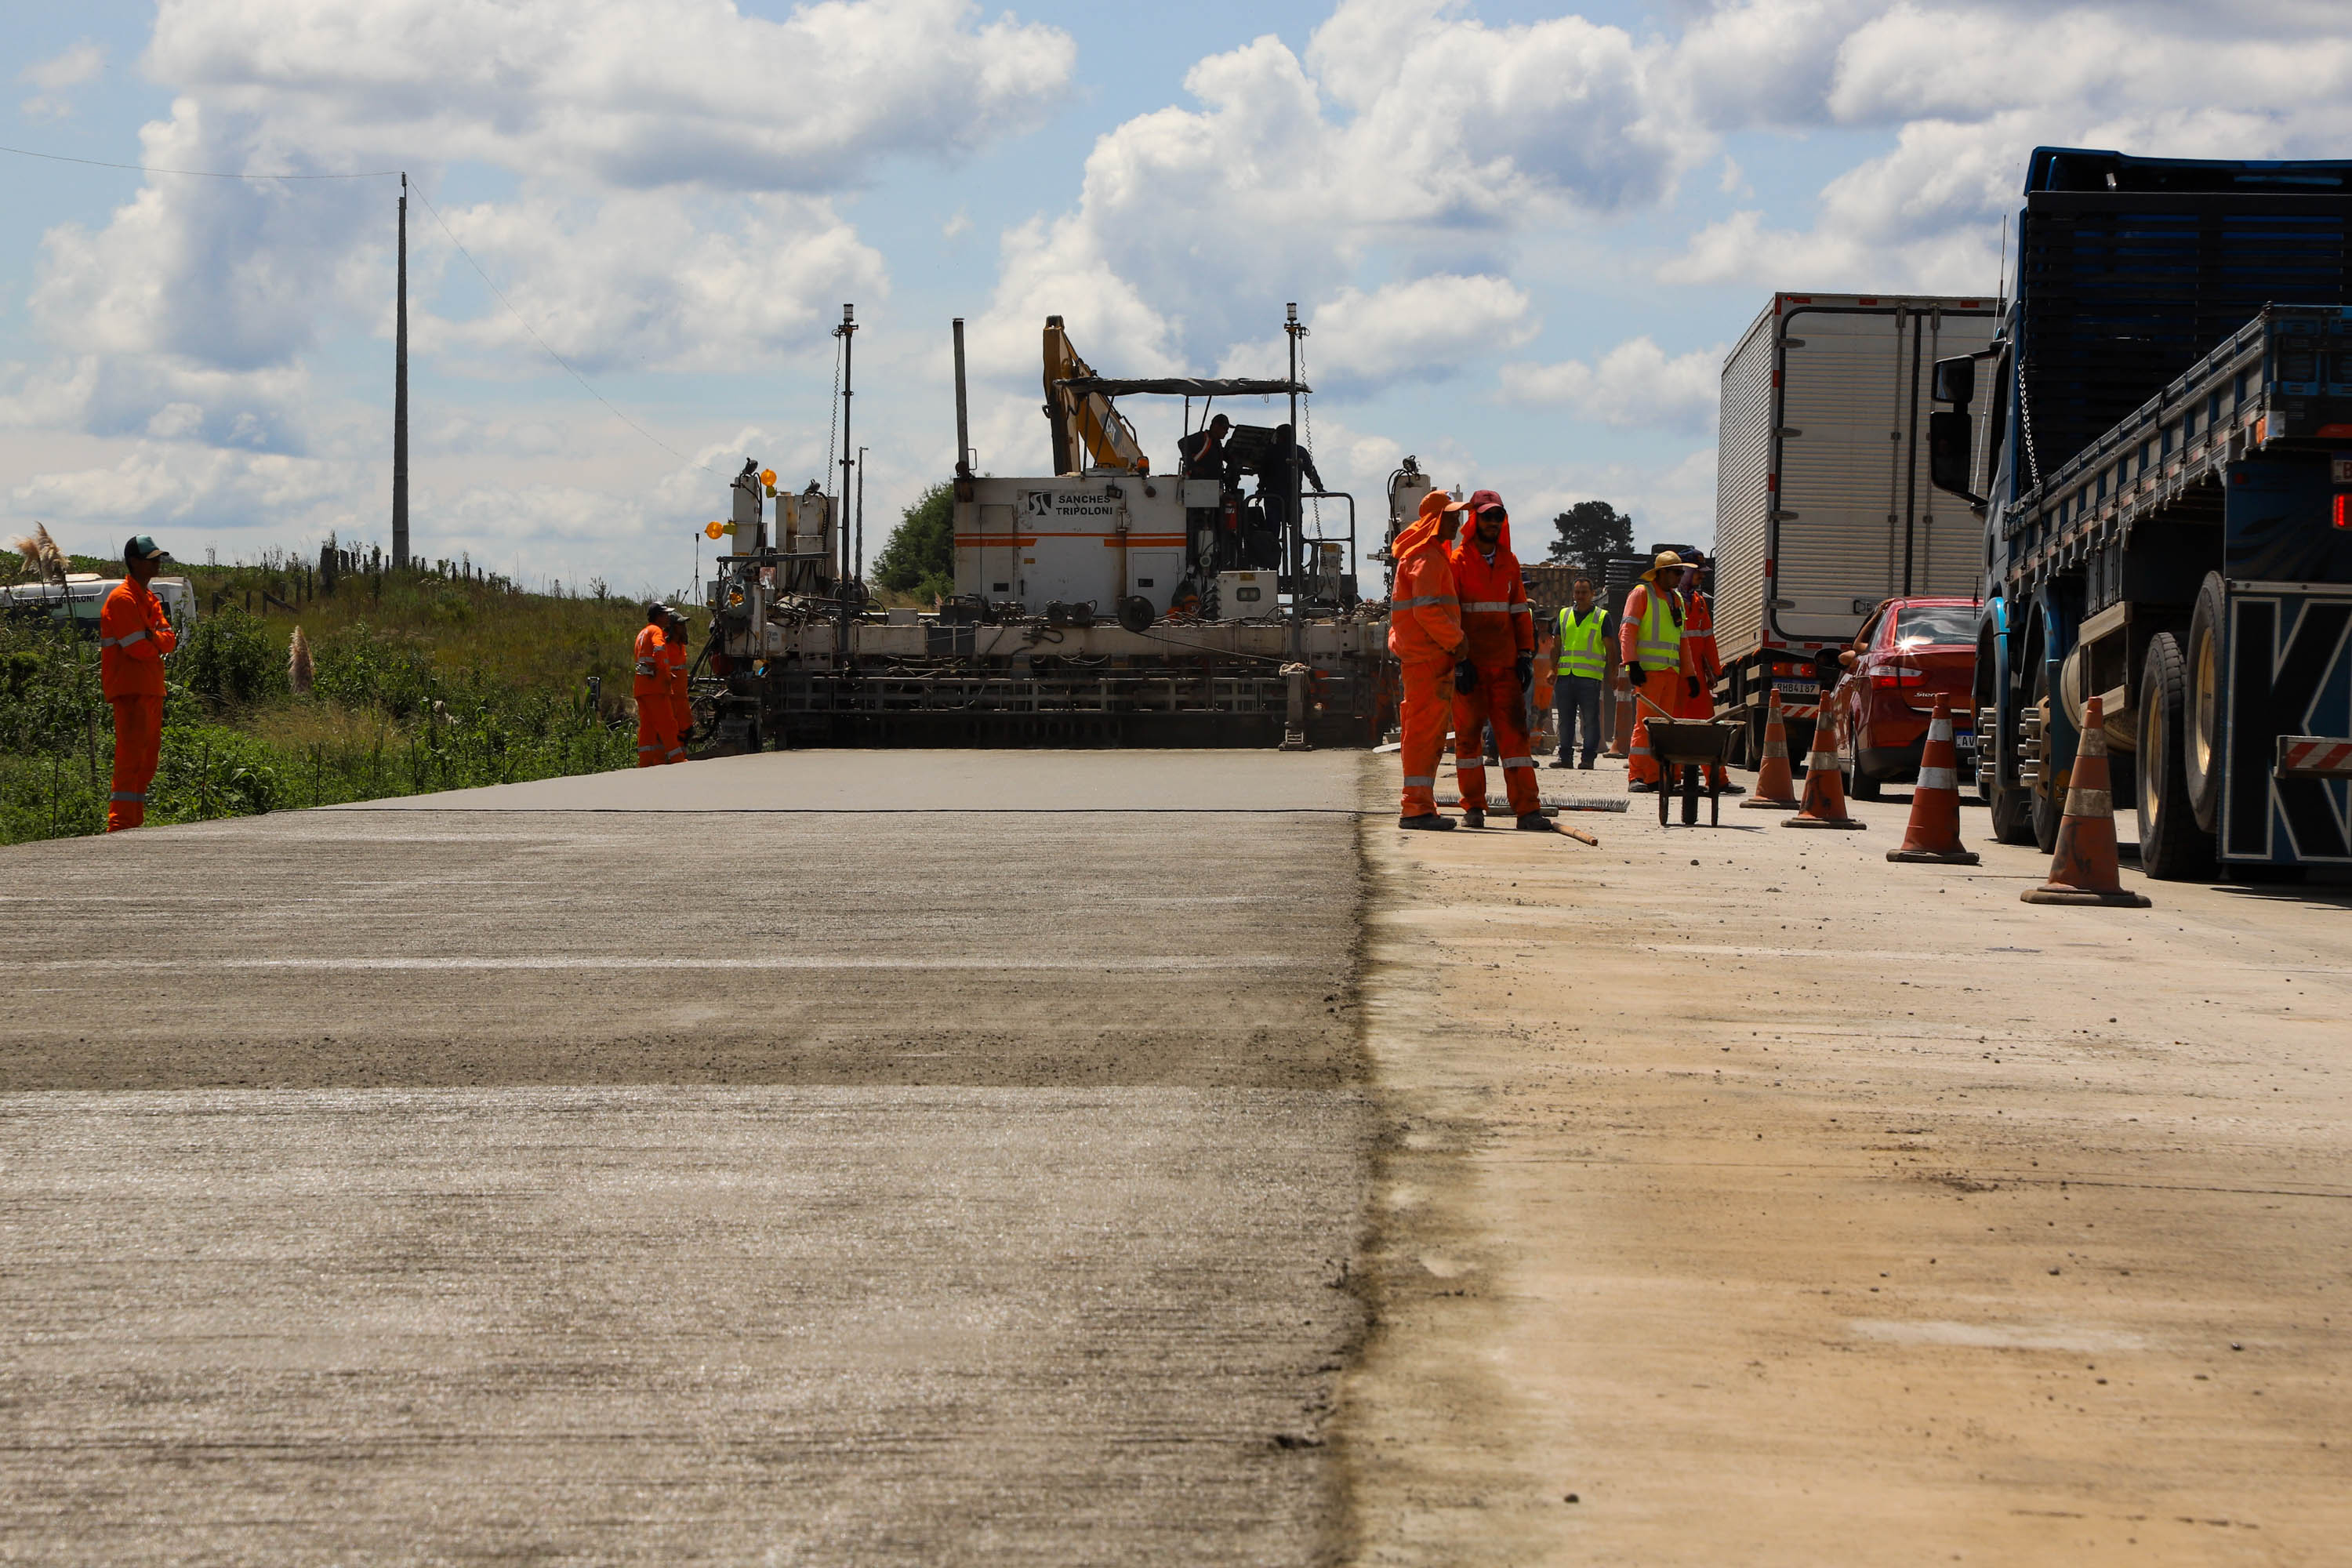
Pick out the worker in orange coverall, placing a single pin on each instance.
(1497, 667)
(1425, 635)
(1701, 663)
(677, 650)
(1650, 644)
(134, 634)
(656, 721)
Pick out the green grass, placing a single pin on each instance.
(424, 681)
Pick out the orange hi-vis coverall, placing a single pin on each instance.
(679, 658)
(1700, 662)
(1650, 634)
(134, 634)
(1425, 635)
(656, 719)
(1500, 625)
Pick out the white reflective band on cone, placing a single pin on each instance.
(2090, 803)
(1939, 778)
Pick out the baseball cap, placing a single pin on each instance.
(144, 548)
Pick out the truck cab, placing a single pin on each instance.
(2153, 447)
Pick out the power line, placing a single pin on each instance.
(585, 384)
(197, 174)
(383, 174)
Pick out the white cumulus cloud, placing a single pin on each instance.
(1634, 386)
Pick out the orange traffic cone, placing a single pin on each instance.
(1824, 790)
(1933, 835)
(2083, 869)
(1776, 790)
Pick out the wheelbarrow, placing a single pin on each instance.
(1688, 751)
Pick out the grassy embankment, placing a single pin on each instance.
(424, 680)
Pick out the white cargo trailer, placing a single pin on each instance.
(1824, 506)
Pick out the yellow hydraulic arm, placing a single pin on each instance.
(1090, 421)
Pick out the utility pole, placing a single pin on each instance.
(847, 333)
(858, 573)
(1294, 546)
(400, 395)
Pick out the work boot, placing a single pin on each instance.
(1638, 787)
(1730, 788)
(1428, 822)
(1473, 816)
(1535, 821)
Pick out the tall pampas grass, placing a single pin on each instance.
(298, 664)
(41, 555)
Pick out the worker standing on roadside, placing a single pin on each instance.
(656, 721)
(1497, 667)
(1650, 642)
(1701, 668)
(1425, 635)
(1583, 662)
(677, 650)
(134, 634)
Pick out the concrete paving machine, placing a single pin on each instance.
(1103, 605)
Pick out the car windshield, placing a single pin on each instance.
(1922, 625)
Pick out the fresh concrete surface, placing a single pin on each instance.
(1755, 1201)
(953, 1186)
(988, 783)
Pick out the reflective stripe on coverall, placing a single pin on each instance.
(1425, 634)
(134, 634)
(656, 721)
(680, 660)
(1500, 625)
(1652, 636)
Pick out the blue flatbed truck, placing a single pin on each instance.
(2160, 441)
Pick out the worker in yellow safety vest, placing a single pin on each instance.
(1584, 663)
(1650, 639)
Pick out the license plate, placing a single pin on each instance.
(1798, 688)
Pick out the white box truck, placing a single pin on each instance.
(1823, 507)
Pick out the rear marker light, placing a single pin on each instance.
(2344, 511)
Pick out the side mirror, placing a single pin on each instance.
(1955, 380)
(1950, 437)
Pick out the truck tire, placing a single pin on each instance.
(2172, 846)
(1860, 785)
(2201, 701)
(2012, 815)
(2049, 804)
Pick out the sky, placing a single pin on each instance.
(1523, 237)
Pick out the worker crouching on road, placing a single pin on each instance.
(1497, 667)
(1650, 641)
(656, 719)
(677, 653)
(1425, 635)
(134, 634)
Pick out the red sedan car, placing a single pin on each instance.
(1907, 651)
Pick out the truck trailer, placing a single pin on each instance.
(1823, 507)
(2160, 445)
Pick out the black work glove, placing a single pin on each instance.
(1465, 676)
(1692, 681)
(1526, 671)
(1637, 674)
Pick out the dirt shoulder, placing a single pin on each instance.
(1778, 1205)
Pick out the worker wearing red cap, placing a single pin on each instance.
(1649, 643)
(1497, 667)
(134, 633)
(1425, 635)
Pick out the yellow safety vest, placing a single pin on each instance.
(1581, 650)
(1658, 640)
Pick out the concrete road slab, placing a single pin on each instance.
(951, 1180)
(653, 1325)
(990, 783)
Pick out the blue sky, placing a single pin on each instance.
(1523, 235)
